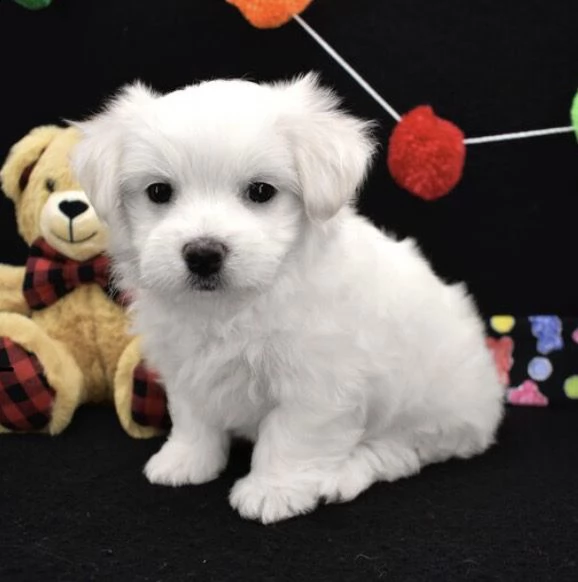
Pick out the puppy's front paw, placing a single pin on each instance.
(182, 464)
(267, 501)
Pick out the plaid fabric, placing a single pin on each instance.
(149, 402)
(25, 396)
(51, 275)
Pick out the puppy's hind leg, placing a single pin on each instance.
(386, 459)
(463, 441)
(396, 456)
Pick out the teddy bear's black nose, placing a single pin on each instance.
(73, 209)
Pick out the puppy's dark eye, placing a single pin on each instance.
(50, 185)
(260, 192)
(160, 193)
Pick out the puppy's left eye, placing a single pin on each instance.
(260, 192)
(160, 193)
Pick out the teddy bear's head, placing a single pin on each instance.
(49, 203)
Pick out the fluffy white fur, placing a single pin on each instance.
(333, 346)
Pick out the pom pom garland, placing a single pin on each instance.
(34, 4)
(574, 114)
(269, 13)
(426, 154)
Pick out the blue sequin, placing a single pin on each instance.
(539, 369)
(547, 329)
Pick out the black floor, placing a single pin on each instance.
(77, 508)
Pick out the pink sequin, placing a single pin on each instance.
(502, 350)
(575, 336)
(528, 394)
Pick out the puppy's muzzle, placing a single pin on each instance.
(205, 257)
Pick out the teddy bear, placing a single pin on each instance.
(64, 329)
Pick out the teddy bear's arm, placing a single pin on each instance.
(11, 297)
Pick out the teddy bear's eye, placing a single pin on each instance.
(50, 185)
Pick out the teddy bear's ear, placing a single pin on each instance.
(22, 158)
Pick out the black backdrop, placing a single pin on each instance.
(509, 229)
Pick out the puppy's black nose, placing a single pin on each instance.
(204, 257)
(73, 209)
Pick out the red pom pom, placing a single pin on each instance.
(426, 154)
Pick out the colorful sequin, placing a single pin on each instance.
(539, 369)
(502, 349)
(502, 323)
(547, 329)
(536, 358)
(528, 394)
(571, 387)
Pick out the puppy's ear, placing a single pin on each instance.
(96, 158)
(332, 148)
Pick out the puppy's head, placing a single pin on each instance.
(211, 187)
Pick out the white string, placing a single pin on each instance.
(371, 91)
(518, 135)
(333, 53)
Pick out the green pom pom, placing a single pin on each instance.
(574, 114)
(34, 4)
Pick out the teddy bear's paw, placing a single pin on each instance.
(148, 406)
(267, 501)
(26, 398)
(180, 463)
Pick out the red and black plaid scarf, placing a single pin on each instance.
(51, 275)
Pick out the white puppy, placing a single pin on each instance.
(270, 308)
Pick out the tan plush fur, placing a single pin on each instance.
(81, 339)
(11, 279)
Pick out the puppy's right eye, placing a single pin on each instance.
(260, 192)
(160, 192)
